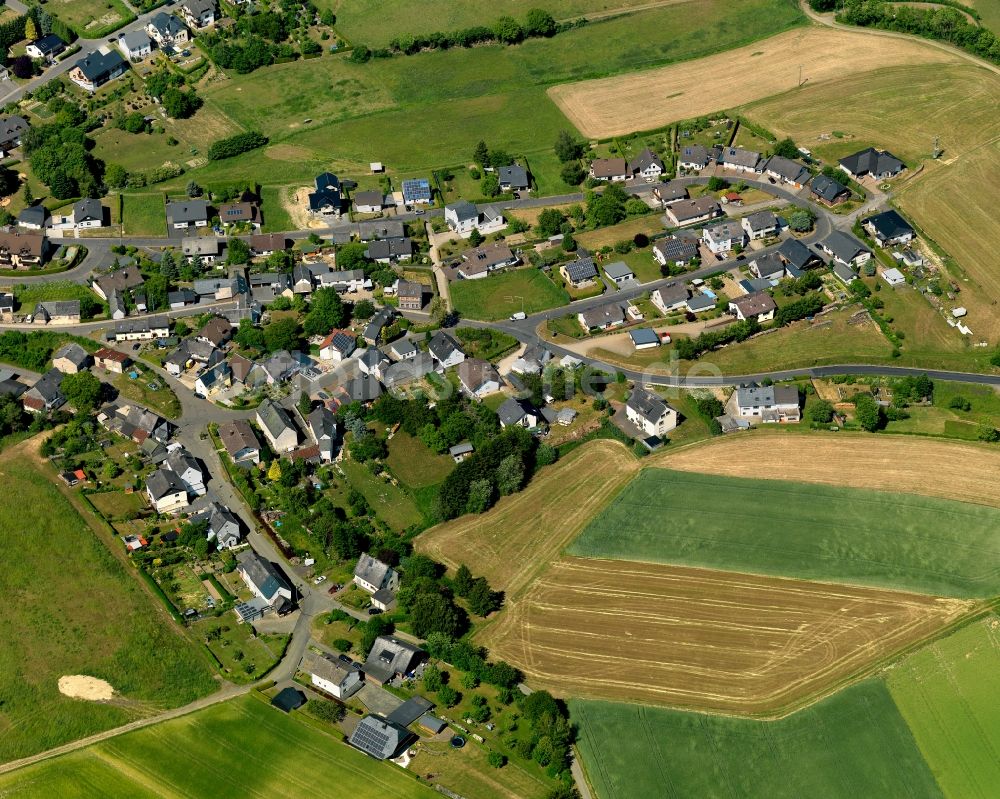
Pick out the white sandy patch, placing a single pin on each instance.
(80, 686)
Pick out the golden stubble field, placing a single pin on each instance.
(704, 639)
(651, 99)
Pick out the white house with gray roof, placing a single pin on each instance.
(331, 676)
(768, 404)
(135, 45)
(276, 424)
(445, 350)
(264, 580)
(650, 413)
(373, 575)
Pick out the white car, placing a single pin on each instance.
(319, 579)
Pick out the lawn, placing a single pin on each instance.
(72, 608)
(499, 296)
(163, 400)
(276, 216)
(989, 11)
(623, 231)
(27, 295)
(144, 215)
(414, 464)
(802, 530)
(940, 419)
(116, 505)
(851, 745)
(391, 504)
(91, 18)
(245, 657)
(254, 750)
(947, 694)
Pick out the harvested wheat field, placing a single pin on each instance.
(704, 639)
(948, 469)
(518, 538)
(650, 99)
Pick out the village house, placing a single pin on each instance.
(402, 349)
(828, 191)
(332, 677)
(463, 217)
(670, 297)
(71, 358)
(346, 281)
(877, 164)
(328, 197)
(513, 178)
(646, 165)
(721, 238)
(380, 738)
(167, 30)
(216, 331)
(240, 442)
(760, 224)
(613, 169)
(213, 379)
(240, 213)
(265, 581)
(766, 403)
(21, 250)
(263, 244)
(116, 306)
(223, 526)
(417, 191)
(654, 417)
(741, 160)
(694, 157)
(670, 193)
(478, 378)
(789, 172)
(517, 412)
(579, 273)
(198, 13)
(337, 346)
(11, 130)
(768, 267)
(445, 350)
(619, 273)
(93, 71)
(184, 214)
(135, 45)
(371, 575)
(889, 228)
(409, 295)
(699, 303)
(391, 657)
(34, 217)
(47, 48)
(205, 248)
(480, 261)
(181, 298)
(111, 360)
(124, 279)
(186, 467)
(322, 424)
(602, 317)
(390, 251)
(688, 212)
(757, 305)
(135, 423)
(57, 312)
(46, 394)
(380, 229)
(845, 249)
(675, 252)
(369, 202)
(796, 255)
(373, 330)
(277, 427)
(166, 491)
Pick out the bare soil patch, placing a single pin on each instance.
(645, 100)
(80, 686)
(704, 639)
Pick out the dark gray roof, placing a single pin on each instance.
(673, 293)
(694, 154)
(618, 270)
(603, 315)
(795, 253)
(381, 318)
(135, 40)
(98, 66)
(512, 411)
(49, 44)
(443, 346)
(843, 246)
(389, 248)
(262, 573)
(372, 570)
(381, 229)
(379, 737)
(787, 169)
(289, 699)
(644, 335)
(72, 352)
(761, 220)
(769, 265)
(827, 188)
(673, 249)
(647, 405)
(167, 24)
(463, 210)
(373, 197)
(644, 160)
(187, 211)
(390, 656)
(411, 710)
(738, 156)
(164, 482)
(872, 162)
(237, 436)
(581, 269)
(274, 418)
(515, 175)
(671, 191)
(33, 215)
(889, 225)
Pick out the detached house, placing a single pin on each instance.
(11, 130)
(480, 261)
(135, 45)
(601, 318)
(760, 225)
(167, 30)
(332, 677)
(619, 273)
(369, 202)
(828, 191)
(48, 47)
(277, 426)
(337, 346)
(877, 164)
(694, 157)
(613, 169)
(98, 68)
(70, 358)
(673, 251)
(671, 297)
(166, 491)
(372, 575)
(46, 395)
(184, 214)
(789, 172)
(409, 295)
(417, 191)
(199, 13)
(328, 197)
(741, 160)
(390, 251)
(688, 212)
(223, 526)
(517, 412)
(757, 305)
(124, 279)
(57, 312)
(514, 178)
(768, 267)
(845, 249)
(391, 657)
(445, 350)
(670, 193)
(721, 238)
(21, 250)
(183, 464)
(265, 581)
(767, 403)
(478, 377)
(463, 217)
(581, 272)
(889, 228)
(650, 413)
(240, 442)
(796, 255)
(646, 165)
(322, 425)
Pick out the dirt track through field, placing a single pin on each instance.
(704, 639)
(966, 472)
(645, 100)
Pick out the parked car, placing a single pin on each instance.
(374, 611)
(320, 579)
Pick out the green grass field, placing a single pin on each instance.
(163, 400)
(854, 744)
(802, 530)
(28, 295)
(947, 694)
(414, 464)
(391, 504)
(91, 18)
(144, 215)
(989, 12)
(71, 608)
(239, 748)
(499, 296)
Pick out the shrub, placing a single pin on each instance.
(235, 145)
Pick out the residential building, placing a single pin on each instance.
(760, 224)
(187, 213)
(322, 424)
(893, 276)
(889, 228)
(789, 172)
(643, 338)
(670, 297)
(517, 412)
(403, 349)
(845, 249)
(207, 248)
(337, 346)
(34, 217)
(445, 350)
(240, 442)
(216, 331)
(694, 157)
(417, 191)
(391, 657)
(277, 427)
(111, 360)
(619, 273)
(46, 394)
(135, 45)
(601, 317)
(673, 251)
(380, 738)
(124, 279)
(166, 491)
(478, 377)
(828, 191)
(409, 295)
(239, 213)
(328, 197)
(578, 273)
(94, 70)
(70, 358)
(186, 467)
(757, 305)
(21, 249)
(264, 580)
(131, 421)
(877, 164)
(223, 526)
(741, 160)
(688, 212)
(698, 303)
(267, 243)
(767, 403)
(116, 306)
(167, 30)
(371, 575)
(649, 413)
(199, 13)
(11, 130)
(769, 266)
(514, 178)
(347, 281)
(670, 193)
(613, 169)
(181, 298)
(390, 251)
(646, 165)
(381, 229)
(795, 254)
(369, 202)
(463, 217)
(57, 312)
(373, 330)
(480, 261)
(47, 47)
(332, 677)
(721, 238)
(213, 379)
